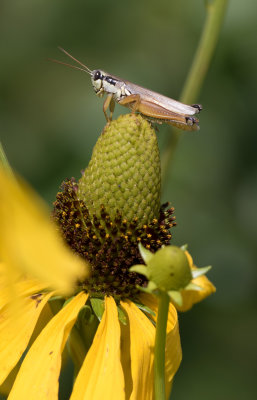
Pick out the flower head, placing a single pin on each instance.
(108, 325)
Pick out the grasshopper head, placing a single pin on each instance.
(97, 78)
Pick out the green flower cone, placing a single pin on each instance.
(124, 172)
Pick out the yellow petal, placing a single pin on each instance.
(173, 347)
(190, 297)
(101, 375)
(29, 241)
(39, 373)
(22, 288)
(15, 332)
(142, 336)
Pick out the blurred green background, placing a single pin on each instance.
(50, 119)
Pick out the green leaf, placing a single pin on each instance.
(145, 309)
(54, 298)
(140, 269)
(67, 301)
(193, 286)
(145, 254)
(176, 297)
(200, 271)
(85, 315)
(184, 247)
(122, 316)
(98, 307)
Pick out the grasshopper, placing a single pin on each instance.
(153, 106)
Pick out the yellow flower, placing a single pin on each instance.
(105, 372)
(120, 357)
(117, 362)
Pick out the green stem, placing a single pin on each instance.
(4, 161)
(159, 349)
(207, 44)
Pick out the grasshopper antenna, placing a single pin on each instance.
(84, 69)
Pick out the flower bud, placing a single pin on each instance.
(169, 269)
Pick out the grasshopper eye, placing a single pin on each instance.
(97, 75)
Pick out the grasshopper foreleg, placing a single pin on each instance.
(108, 102)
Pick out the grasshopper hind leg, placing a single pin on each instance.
(187, 123)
